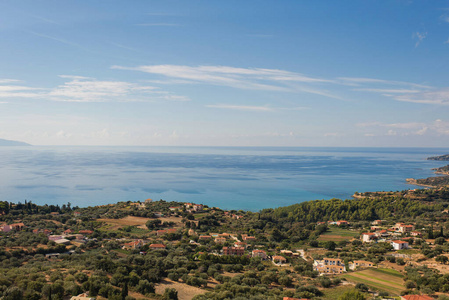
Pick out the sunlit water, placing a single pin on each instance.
(230, 178)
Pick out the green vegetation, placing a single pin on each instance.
(113, 250)
(441, 157)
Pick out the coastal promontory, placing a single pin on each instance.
(4, 142)
(441, 157)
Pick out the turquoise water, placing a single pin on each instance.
(231, 178)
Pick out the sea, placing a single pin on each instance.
(234, 178)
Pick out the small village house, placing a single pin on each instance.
(233, 251)
(368, 237)
(157, 247)
(399, 245)
(259, 253)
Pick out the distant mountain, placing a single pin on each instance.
(442, 157)
(12, 143)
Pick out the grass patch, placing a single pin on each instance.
(389, 272)
(200, 215)
(341, 232)
(337, 234)
(123, 251)
(408, 251)
(335, 292)
(375, 285)
(370, 276)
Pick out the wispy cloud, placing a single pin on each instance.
(17, 91)
(8, 81)
(87, 89)
(125, 47)
(46, 20)
(255, 108)
(435, 128)
(388, 91)
(445, 18)
(240, 107)
(419, 36)
(436, 96)
(241, 78)
(159, 24)
(60, 40)
(401, 91)
(363, 81)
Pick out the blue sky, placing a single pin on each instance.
(225, 73)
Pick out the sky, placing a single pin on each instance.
(225, 73)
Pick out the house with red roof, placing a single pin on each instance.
(137, 244)
(259, 253)
(233, 250)
(278, 260)
(157, 247)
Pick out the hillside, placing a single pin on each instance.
(12, 143)
(442, 170)
(441, 157)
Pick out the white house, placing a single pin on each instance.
(399, 245)
(368, 237)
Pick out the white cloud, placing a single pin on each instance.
(242, 78)
(391, 91)
(2, 81)
(420, 36)
(392, 132)
(18, 91)
(363, 81)
(159, 24)
(436, 128)
(63, 41)
(241, 107)
(255, 108)
(435, 96)
(445, 18)
(87, 89)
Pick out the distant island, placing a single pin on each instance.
(436, 181)
(4, 142)
(441, 157)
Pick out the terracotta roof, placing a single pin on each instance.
(417, 297)
(399, 242)
(278, 257)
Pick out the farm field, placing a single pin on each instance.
(185, 292)
(379, 279)
(338, 234)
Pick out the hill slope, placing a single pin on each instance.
(12, 143)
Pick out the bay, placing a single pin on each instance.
(248, 178)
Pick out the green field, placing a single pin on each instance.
(335, 292)
(389, 272)
(338, 234)
(378, 279)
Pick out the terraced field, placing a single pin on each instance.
(338, 234)
(378, 279)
